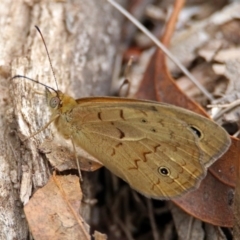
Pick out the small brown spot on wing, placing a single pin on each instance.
(183, 163)
(177, 176)
(155, 184)
(113, 152)
(161, 121)
(144, 156)
(122, 134)
(185, 185)
(143, 112)
(154, 109)
(157, 146)
(172, 135)
(136, 165)
(181, 171)
(118, 145)
(99, 116)
(176, 145)
(195, 174)
(121, 115)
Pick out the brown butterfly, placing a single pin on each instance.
(162, 151)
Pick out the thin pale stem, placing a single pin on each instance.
(162, 47)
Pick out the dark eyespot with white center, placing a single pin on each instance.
(54, 102)
(196, 131)
(164, 171)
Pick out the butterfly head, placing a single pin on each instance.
(59, 102)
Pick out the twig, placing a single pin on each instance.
(162, 47)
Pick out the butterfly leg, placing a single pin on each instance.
(41, 129)
(77, 161)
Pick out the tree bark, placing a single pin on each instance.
(82, 38)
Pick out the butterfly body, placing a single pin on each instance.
(161, 150)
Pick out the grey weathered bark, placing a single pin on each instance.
(82, 38)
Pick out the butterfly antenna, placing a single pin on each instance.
(21, 76)
(45, 45)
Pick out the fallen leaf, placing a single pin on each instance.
(53, 211)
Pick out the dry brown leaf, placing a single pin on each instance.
(53, 211)
(189, 227)
(185, 43)
(236, 206)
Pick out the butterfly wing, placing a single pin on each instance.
(162, 151)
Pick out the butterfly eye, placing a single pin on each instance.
(54, 102)
(196, 131)
(143, 120)
(164, 171)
